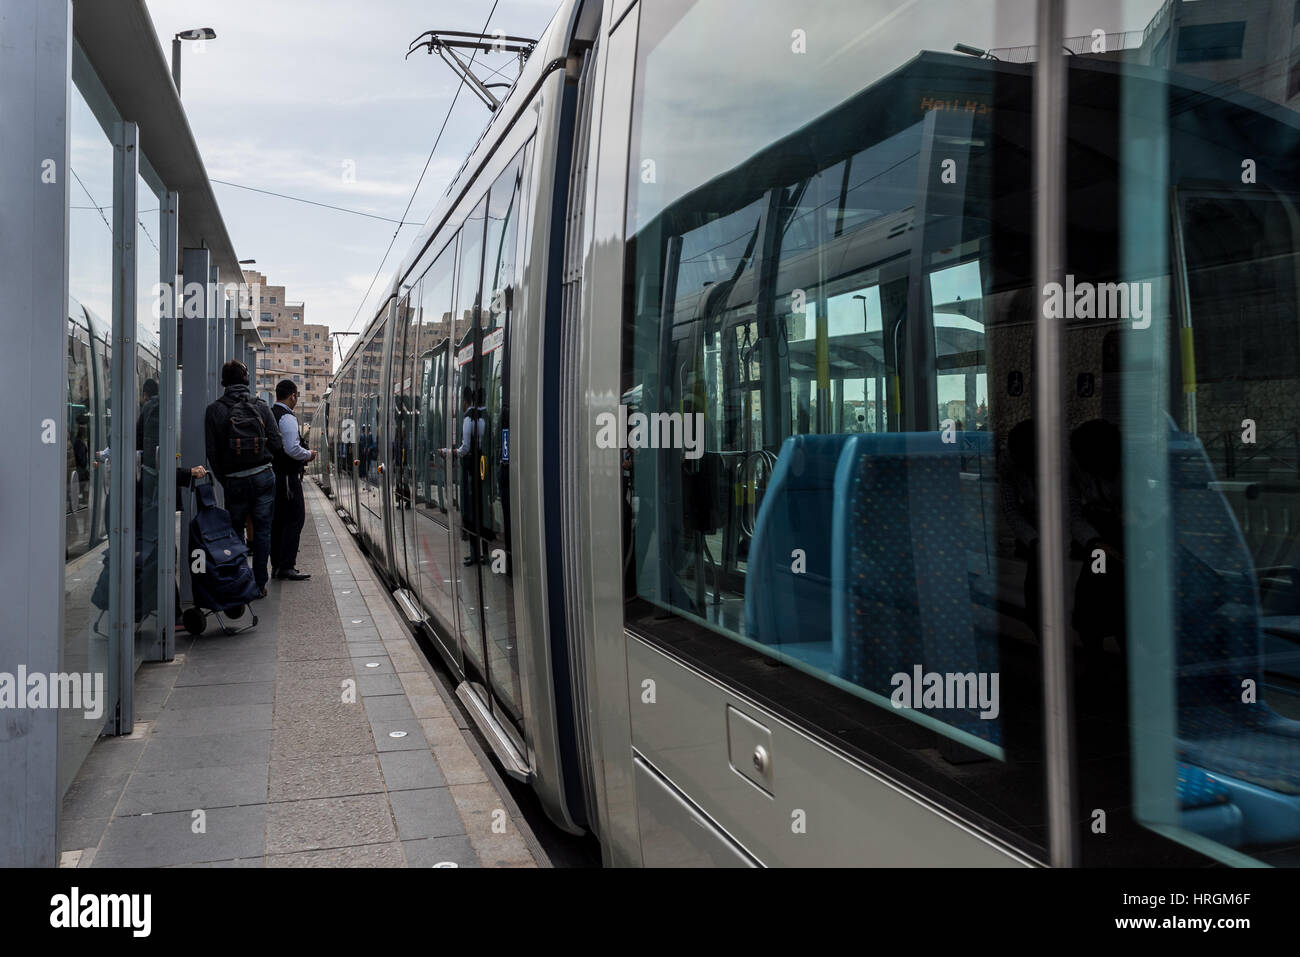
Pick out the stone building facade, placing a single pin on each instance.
(296, 349)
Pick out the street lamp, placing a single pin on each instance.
(974, 51)
(864, 311)
(199, 33)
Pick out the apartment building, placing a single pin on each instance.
(295, 349)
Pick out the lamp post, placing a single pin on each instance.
(199, 33)
(864, 311)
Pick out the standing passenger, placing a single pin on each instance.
(242, 439)
(289, 464)
(472, 428)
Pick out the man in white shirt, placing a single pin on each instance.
(290, 509)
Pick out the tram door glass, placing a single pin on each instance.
(360, 459)
(827, 251)
(1183, 368)
(87, 645)
(398, 474)
(354, 439)
(347, 441)
(502, 272)
(365, 425)
(463, 457)
(432, 560)
(372, 360)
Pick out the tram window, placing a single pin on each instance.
(501, 277)
(810, 290)
(1184, 577)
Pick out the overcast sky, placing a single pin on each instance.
(291, 91)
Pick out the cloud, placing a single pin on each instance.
(290, 91)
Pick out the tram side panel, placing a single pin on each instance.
(766, 295)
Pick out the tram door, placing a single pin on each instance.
(431, 549)
(463, 459)
(397, 473)
(489, 276)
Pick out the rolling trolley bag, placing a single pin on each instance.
(226, 586)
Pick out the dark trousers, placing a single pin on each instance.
(253, 495)
(290, 516)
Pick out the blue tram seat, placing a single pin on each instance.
(1246, 748)
(902, 544)
(1206, 806)
(782, 608)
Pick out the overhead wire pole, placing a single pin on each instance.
(520, 46)
(335, 335)
(428, 160)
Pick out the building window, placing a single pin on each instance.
(297, 332)
(296, 347)
(318, 335)
(273, 300)
(1211, 41)
(297, 363)
(298, 379)
(266, 315)
(296, 316)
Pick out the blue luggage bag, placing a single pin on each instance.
(226, 586)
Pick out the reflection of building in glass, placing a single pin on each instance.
(1250, 45)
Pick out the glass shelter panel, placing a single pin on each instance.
(87, 646)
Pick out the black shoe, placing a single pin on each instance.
(261, 592)
(292, 575)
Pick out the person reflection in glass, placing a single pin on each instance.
(1097, 530)
(1018, 487)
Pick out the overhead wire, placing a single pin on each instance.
(438, 139)
(312, 202)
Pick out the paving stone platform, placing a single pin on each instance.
(248, 751)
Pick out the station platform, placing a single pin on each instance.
(245, 752)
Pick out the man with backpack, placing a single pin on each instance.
(242, 439)
(289, 465)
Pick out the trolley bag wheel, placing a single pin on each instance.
(194, 620)
(235, 612)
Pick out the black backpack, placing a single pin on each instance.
(245, 434)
